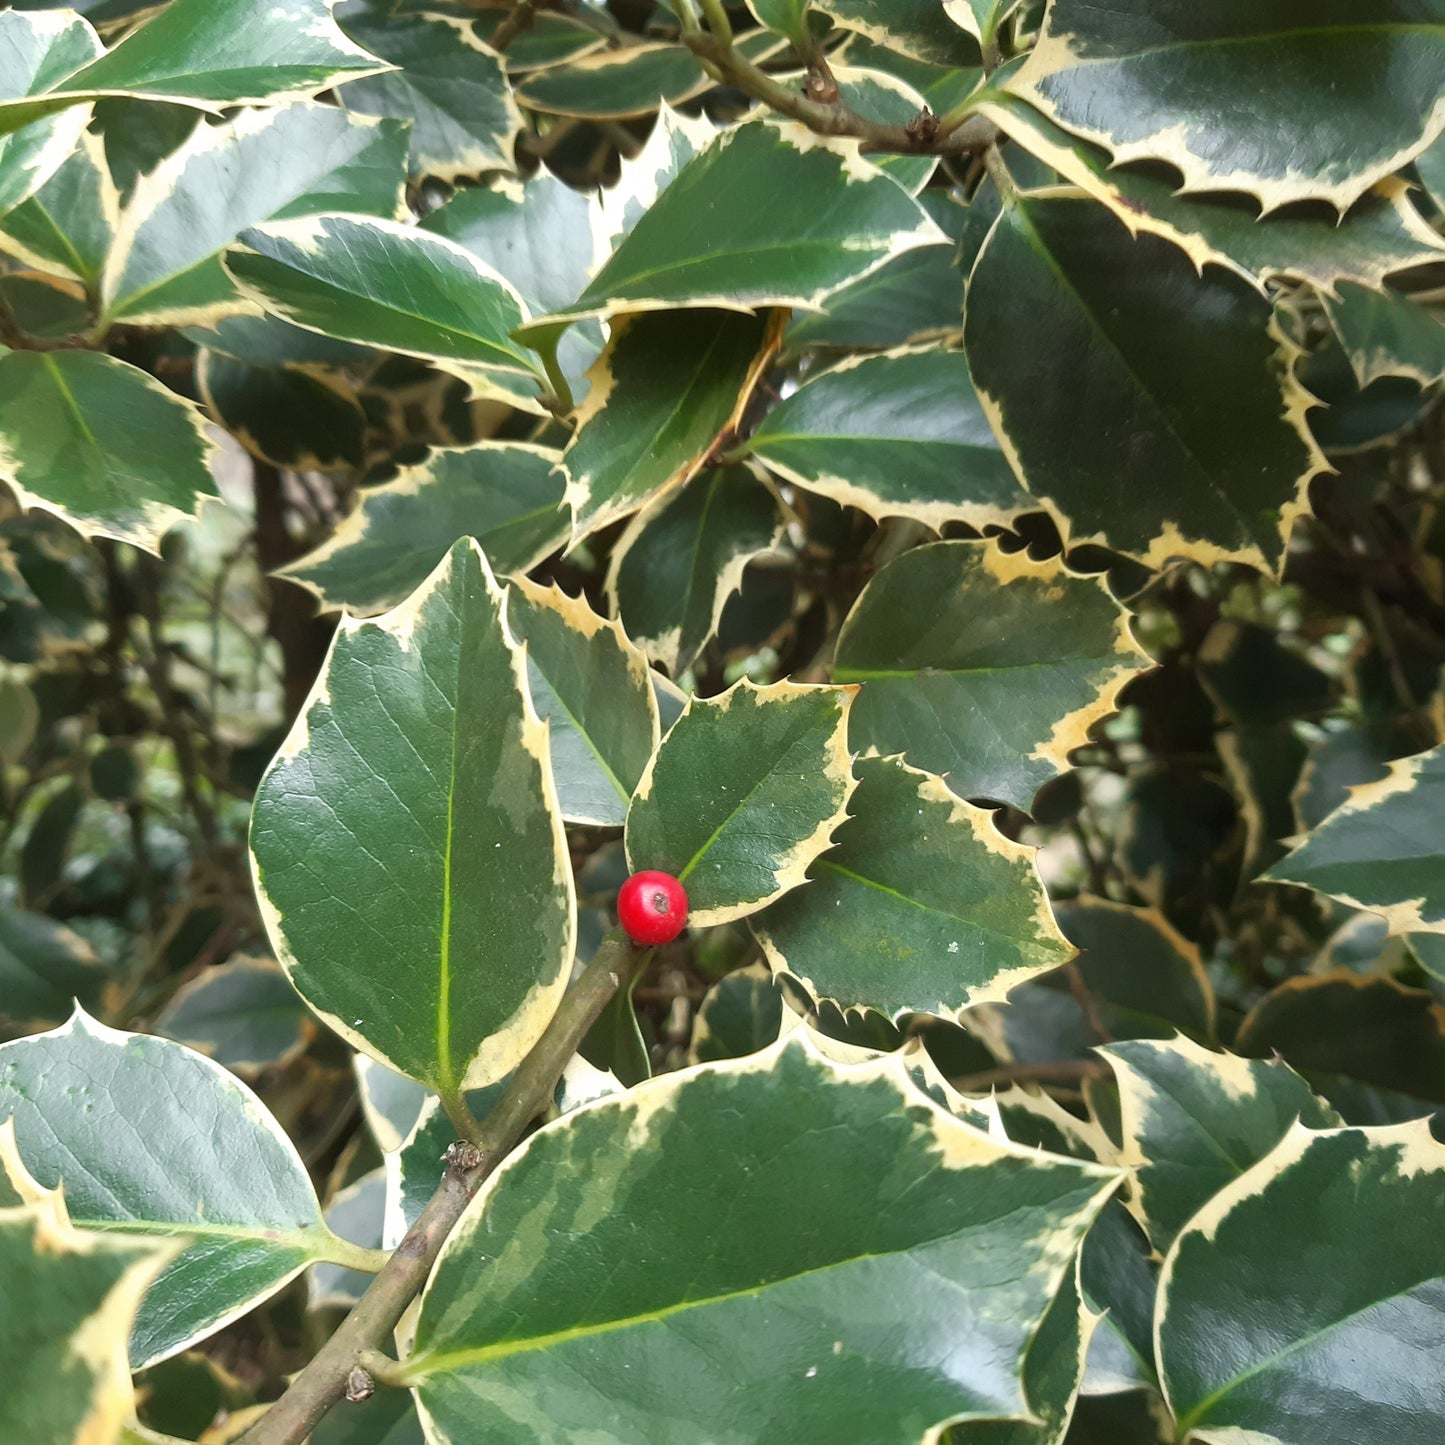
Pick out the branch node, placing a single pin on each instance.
(822, 89)
(923, 128)
(359, 1385)
(463, 1157)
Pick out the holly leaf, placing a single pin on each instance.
(44, 968)
(830, 1278)
(101, 444)
(68, 226)
(743, 794)
(508, 495)
(70, 1297)
(919, 29)
(896, 435)
(451, 86)
(265, 165)
(1233, 96)
(383, 284)
(1194, 1121)
(1060, 288)
(674, 568)
(209, 54)
(37, 51)
(1380, 233)
(667, 387)
(77, 1096)
(243, 1014)
(1340, 1288)
(997, 679)
(921, 905)
(763, 217)
(1386, 334)
(1383, 850)
(593, 688)
(424, 911)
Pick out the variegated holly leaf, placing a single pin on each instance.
(810, 1295)
(1061, 289)
(1304, 1302)
(763, 217)
(593, 688)
(981, 18)
(1135, 961)
(667, 387)
(383, 284)
(985, 667)
(539, 235)
(409, 854)
(919, 29)
(786, 17)
(205, 53)
(70, 1298)
(1232, 94)
(1381, 233)
(101, 444)
(1053, 1372)
(448, 84)
(37, 51)
(896, 435)
(921, 905)
(145, 1137)
(674, 568)
(508, 495)
(265, 165)
(1387, 334)
(1384, 850)
(1194, 1121)
(243, 1014)
(740, 1014)
(301, 419)
(67, 228)
(743, 795)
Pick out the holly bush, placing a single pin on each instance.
(955, 484)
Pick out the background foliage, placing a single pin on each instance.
(960, 483)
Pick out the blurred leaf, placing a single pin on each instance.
(740, 1014)
(68, 226)
(44, 969)
(243, 1014)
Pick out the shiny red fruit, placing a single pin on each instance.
(652, 907)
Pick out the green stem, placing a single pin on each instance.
(323, 1382)
(999, 174)
(564, 404)
(354, 1256)
(463, 1120)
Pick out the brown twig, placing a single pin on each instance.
(325, 1380)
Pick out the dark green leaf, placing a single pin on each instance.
(44, 968)
(592, 686)
(1384, 850)
(451, 86)
(1283, 100)
(146, 1138)
(665, 389)
(900, 434)
(1132, 454)
(1386, 334)
(265, 165)
(674, 568)
(1194, 1121)
(985, 667)
(768, 215)
(1303, 1303)
(68, 226)
(740, 1014)
(916, 28)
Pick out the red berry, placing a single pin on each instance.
(652, 907)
